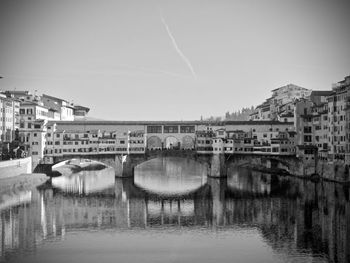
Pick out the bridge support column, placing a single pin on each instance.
(122, 201)
(127, 167)
(218, 188)
(218, 166)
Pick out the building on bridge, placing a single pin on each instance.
(72, 142)
(97, 137)
(204, 141)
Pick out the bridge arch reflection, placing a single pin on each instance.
(170, 176)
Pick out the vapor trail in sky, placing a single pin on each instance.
(177, 49)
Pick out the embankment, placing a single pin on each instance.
(18, 189)
(15, 167)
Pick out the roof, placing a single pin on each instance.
(290, 84)
(24, 103)
(53, 98)
(307, 147)
(60, 130)
(102, 122)
(288, 114)
(344, 80)
(79, 107)
(236, 131)
(279, 139)
(18, 92)
(321, 92)
(51, 104)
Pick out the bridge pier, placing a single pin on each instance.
(218, 166)
(129, 164)
(218, 188)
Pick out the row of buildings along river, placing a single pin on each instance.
(295, 121)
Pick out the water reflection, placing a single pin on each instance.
(85, 182)
(276, 219)
(170, 176)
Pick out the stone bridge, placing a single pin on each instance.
(216, 164)
(124, 166)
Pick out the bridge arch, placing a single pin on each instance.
(154, 142)
(134, 161)
(187, 142)
(171, 142)
(110, 160)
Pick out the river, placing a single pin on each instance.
(172, 212)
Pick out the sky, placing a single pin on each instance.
(171, 60)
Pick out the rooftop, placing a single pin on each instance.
(79, 107)
(51, 104)
(321, 92)
(289, 85)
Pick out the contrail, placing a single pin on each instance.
(177, 49)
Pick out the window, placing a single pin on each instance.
(154, 129)
(187, 129)
(171, 129)
(35, 134)
(307, 129)
(307, 138)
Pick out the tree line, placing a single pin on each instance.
(239, 115)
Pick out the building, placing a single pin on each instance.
(80, 112)
(66, 108)
(337, 121)
(9, 118)
(280, 106)
(204, 141)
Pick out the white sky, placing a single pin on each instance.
(120, 59)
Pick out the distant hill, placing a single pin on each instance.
(240, 115)
(88, 118)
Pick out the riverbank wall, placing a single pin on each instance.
(15, 167)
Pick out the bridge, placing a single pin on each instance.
(216, 164)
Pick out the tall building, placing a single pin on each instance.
(338, 102)
(66, 108)
(280, 106)
(322, 123)
(9, 121)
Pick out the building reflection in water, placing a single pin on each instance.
(293, 216)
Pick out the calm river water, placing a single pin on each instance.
(171, 212)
